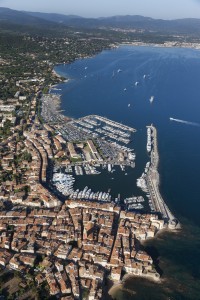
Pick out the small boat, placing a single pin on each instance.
(151, 99)
(119, 70)
(129, 105)
(136, 83)
(125, 89)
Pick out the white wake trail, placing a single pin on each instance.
(185, 122)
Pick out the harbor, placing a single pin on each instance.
(95, 143)
(92, 145)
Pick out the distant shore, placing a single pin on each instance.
(165, 45)
(195, 46)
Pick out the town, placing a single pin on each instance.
(66, 243)
(72, 245)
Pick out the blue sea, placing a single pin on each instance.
(105, 85)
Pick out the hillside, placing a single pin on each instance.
(128, 22)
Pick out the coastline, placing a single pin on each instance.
(55, 73)
(194, 46)
(171, 44)
(119, 287)
(132, 276)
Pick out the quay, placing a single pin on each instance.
(153, 182)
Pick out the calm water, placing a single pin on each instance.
(173, 77)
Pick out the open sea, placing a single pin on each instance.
(105, 85)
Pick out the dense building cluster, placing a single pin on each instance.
(72, 246)
(76, 246)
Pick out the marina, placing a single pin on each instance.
(109, 150)
(113, 147)
(64, 183)
(148, 182)
(111, 138)
(134, 203)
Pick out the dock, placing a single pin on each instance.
(113, 123)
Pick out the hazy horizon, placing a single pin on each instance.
(165, 9)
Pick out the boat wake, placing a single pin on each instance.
(185, 122)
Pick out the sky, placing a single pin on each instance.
(164, 9)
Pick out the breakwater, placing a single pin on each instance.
(153, 182)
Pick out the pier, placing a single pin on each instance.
(153, 182)
(113, 123)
